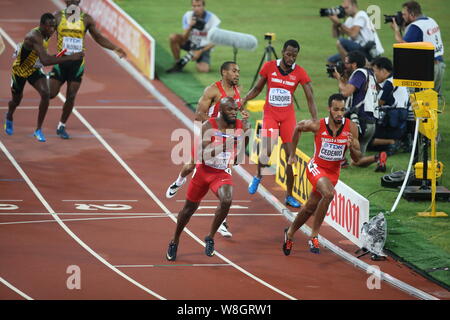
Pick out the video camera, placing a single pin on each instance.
(398, 17)
(269, 36)
(338, 11)
(339, 66)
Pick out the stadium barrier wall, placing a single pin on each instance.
(125, 32)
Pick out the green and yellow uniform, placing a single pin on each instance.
(26, 67)
(70, 37)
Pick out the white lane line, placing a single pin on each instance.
(80, 219)
(96, 108)
(173, 265)
(147, 216)
(214, 207)
(158, 214)
(9, 285)
(100, 200)
(269, 197)
(55, 216)
(234, 201)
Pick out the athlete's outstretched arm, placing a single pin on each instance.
(100, 39)
(205, 101)
(302, 126)
(255, 90)
(307, 88)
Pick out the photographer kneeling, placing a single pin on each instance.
(393, 109)
(361, 92)
(196, 25)
(361, 32)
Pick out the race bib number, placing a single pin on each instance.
(73, 45)
(279, 97)
(331, 151)
(220, 161)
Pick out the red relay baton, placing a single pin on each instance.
(61, 53)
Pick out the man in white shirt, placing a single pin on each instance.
(196, 25)
(361, 33)
(421, 28)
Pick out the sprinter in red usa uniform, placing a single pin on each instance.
(222, 141)
(332, 137)
(282, 78)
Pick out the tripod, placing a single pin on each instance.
(267, 56)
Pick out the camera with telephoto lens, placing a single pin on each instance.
(199, 23)
(354, 118)
(179, 65)
(398, 17)
(339, 66)
(338, 11)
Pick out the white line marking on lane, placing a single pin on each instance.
(174, 265)
(9, 285)
(131, 216)
(96, 108)
(100, 200)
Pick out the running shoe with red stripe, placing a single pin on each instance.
(314, 245)
(287, 244)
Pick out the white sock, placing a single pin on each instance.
(180, 180)
(60, 124)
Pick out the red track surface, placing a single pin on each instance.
(35, 251)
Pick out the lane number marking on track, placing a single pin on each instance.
(107, 206)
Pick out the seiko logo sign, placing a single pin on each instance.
(411, 84)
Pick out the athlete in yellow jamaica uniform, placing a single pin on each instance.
(72, 26)
(31, 55)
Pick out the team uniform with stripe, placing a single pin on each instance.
(70, 37)
(26, 67)
(213, 111)
(329, 151)
(215, 172)
(279, 113)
